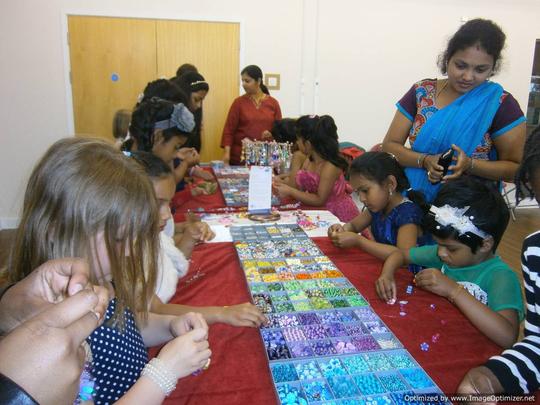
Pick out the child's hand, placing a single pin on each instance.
(345, 239)
(203, 174)
(386, 288)
(195, 191)
(245, 314)
(278, 179)
(188, 155)
(182, 324)
(336, 228)
(282, 189)
(187, 353)
(199, 231)
(266, 136)
(434, 281)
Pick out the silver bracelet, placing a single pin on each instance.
(160, 375)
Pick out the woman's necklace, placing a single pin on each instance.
(257, 99)
(439, 91)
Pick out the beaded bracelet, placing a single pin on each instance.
(452, 298)
(159, 374)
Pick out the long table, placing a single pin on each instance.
(239, 372)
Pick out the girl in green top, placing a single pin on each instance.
(467, 220)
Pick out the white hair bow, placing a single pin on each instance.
(456, 218)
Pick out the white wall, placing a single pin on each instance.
(364, 55)
(388, 45)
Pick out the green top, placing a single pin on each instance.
(492, 282)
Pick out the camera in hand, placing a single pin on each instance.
(445, 160)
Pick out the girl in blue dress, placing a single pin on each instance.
(393, 212)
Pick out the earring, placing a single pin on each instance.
(390, 193)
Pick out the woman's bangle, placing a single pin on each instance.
(420, 160)
(471, 166)
(160, 375)
(452, 297)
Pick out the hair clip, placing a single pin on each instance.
(455, 217)
(197, 82)
(181, 118)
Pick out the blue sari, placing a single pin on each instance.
(464, 122)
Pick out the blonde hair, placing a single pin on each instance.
(82, 187)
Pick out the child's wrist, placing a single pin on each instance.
(458, 289)
(193, 170)
(157, 371)
(387, 273)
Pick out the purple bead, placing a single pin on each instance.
(300, 349)
(322, 347)
(293, 334)
(344, 346)
(356, 329)
(365, 343)
(335, 329)
(315, 332)
(308, 318)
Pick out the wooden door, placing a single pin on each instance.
(215, 49)
(112, 59)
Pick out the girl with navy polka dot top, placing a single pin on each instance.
(85, 199)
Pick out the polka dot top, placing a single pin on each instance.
(118, 358)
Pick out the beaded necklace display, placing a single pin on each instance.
(262, 153)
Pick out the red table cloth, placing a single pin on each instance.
(239, 373)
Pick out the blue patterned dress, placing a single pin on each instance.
(385, 228)
(118, 358)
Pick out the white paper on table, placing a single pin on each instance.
(221, 223)
(260, 190)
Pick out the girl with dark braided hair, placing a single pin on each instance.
(320, 181)
(162, 127)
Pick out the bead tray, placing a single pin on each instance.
(234, 184)
(324, 343)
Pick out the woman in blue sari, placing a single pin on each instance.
(467, 112)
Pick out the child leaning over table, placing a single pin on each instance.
(467, 221)
(517, 370)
